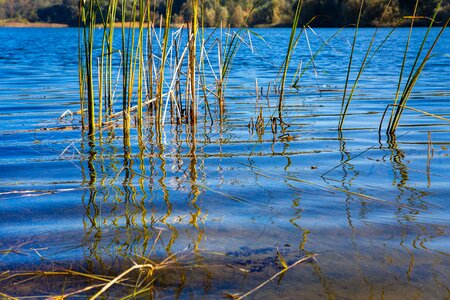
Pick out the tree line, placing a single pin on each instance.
(241, 13)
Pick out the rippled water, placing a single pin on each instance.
(375, 213)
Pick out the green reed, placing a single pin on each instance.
(142, 76)
(140, 62)
(299, 72)
(368, 56)
(88, 21)
(110, 26)
(165, 47)
(227, 53)
(105, 63)
(344, 108)
(192, 61)
(81, 74)
(291, 46)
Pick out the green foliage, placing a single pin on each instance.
(336, 13)
(66, 13)
(23, 9)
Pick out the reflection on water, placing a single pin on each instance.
(223, 197)
(167, 194)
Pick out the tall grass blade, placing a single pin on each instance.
(88, 20)
(288, 56)
(344, 108)
(165, 46)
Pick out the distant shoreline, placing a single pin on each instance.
(18, 24)
(25, 24)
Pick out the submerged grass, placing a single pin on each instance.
(100, 284)
(284, 270)
(142, 277)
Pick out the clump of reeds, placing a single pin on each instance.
(401, 97)
(146, 60)
(368, 56)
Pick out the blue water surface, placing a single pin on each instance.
(374, 208)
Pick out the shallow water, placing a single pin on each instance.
(375, 213)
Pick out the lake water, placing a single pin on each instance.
(375, 212)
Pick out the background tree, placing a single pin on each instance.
(330, 13)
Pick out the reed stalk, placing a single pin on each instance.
(105, 63)
(226, 53)
(203, 56)
(288, 56)
(140, 50)
(100, 74)
(402, 69)
(165, 46)
(192, 62)
(425, 113)
(81, 73)
(88, 20)
(299, 72)
(177, 103)
(150, 57)
(344, 108)
(112, 9)
(125, 76)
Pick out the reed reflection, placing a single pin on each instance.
(401, 177)
(194, 189)
(115, 227)
(166, 196)
(123, 212)
(413, 234)
(407, 235)
(151, 202)
(89, 198)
